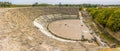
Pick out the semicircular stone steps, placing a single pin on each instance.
(42, 23)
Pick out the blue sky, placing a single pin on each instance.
(65, 1)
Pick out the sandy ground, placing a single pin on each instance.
(72, 29)
(2, 11)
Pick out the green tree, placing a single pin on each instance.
(107, 17)
(5, 4)
(35, 4)
(114, 21)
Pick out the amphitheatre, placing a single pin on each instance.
(44, 29)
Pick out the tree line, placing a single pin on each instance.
(5, 4)
(107, 17)
(42, 4)
(65, 5)
(9, 4)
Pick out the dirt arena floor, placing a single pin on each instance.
(70, 29)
